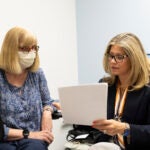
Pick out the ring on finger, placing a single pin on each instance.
(104, 131)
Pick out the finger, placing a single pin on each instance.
(50, 137)
(101, 126)
(98, 121)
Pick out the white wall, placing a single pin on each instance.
(98, 21)
(54, 23)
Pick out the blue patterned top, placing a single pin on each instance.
(21, 107)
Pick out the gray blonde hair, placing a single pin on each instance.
(132, 46)
(14, 38)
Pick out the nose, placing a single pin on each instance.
(113, 60)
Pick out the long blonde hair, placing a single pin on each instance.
(9, 60)
(139, 73)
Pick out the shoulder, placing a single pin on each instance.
(109, 80)
(143, 93)
(38, 72)
(38, 75)
(103, 80)
(147, 89)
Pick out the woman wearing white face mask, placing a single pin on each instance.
(25, 102)
(27, 58)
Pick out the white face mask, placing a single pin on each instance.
(26, 59)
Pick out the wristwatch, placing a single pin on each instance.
(127, 130)
(25, 133)
(126, 133)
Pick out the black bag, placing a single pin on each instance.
(93, 137)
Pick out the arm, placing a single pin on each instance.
(16, 134)
(47, 119)
(48, 108)
(11, 134)
(140, 127)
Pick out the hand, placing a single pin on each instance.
(110, 127)
(44, 135)
(57, 105)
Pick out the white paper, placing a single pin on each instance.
(82, 104)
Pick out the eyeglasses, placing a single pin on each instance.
(28, 49)
(117, 58)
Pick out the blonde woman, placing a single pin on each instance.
(128, 106)
(25, 102)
